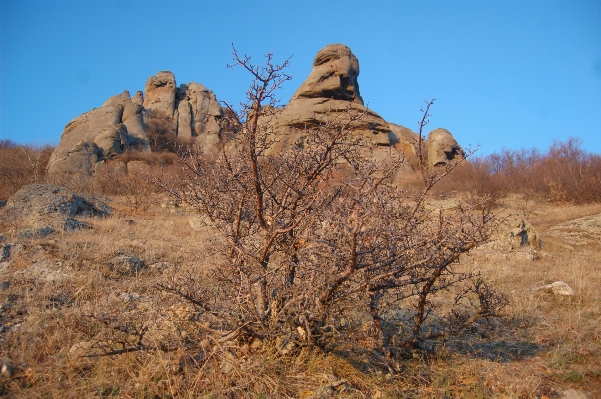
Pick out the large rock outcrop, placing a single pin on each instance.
(78, 152)
(330, 90)
(442, 148)
(121, 123)
(193, 114)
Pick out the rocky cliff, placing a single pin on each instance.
(194, 114)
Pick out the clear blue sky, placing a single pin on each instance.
(507, 74)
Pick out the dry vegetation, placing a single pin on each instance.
(20, 165)
(211, 291)
(543, 344)
(565, 173)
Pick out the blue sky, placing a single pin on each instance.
(506, 74)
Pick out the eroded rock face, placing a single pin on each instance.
(442, 148)
(120, 124)
(199, 116)
(100, 134)
(76, 152)
(406, 141)
(132, 118)
(334, 76)
(159, 94)
(330, 91)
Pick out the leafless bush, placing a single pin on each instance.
(319, 241)
(132, 181)
(564, 173)
(21, 165)
(161, 133)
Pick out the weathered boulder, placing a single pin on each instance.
(53, 207)
(138, 98)
(334, 76)
(112, 141)
(442, 148)
(406, 141)
(159, 94)
(514, 236)
(185, 121)
(82, 158)
(70, 154)
(557, 288)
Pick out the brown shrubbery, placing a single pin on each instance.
(565, 173)
(21, 165)
(318, 247)
(161, 133)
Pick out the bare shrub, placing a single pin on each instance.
(161, 132)
(129, 181)
(319, 242)
(21, 165)
(565, 173)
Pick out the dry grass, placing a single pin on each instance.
(543, 345)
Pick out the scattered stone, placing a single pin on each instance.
(573, 394)
(72, 224)
(38, 233)
(7, 370)
(523, 234)
(42, 271)
(557, 288)
(333, 388)
(5, 252)
(159, 266)
(128, 297)
(284, 344)
(4, 285)
(80, 348)
(127, 265)
(516, 237)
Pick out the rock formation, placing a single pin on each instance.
(442, 148)
(159, 94)
(99, 134)
(120, 124)
(45, 208)
(199, 116)
(330, 89)
(193, 114)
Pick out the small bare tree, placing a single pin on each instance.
(320, 239)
